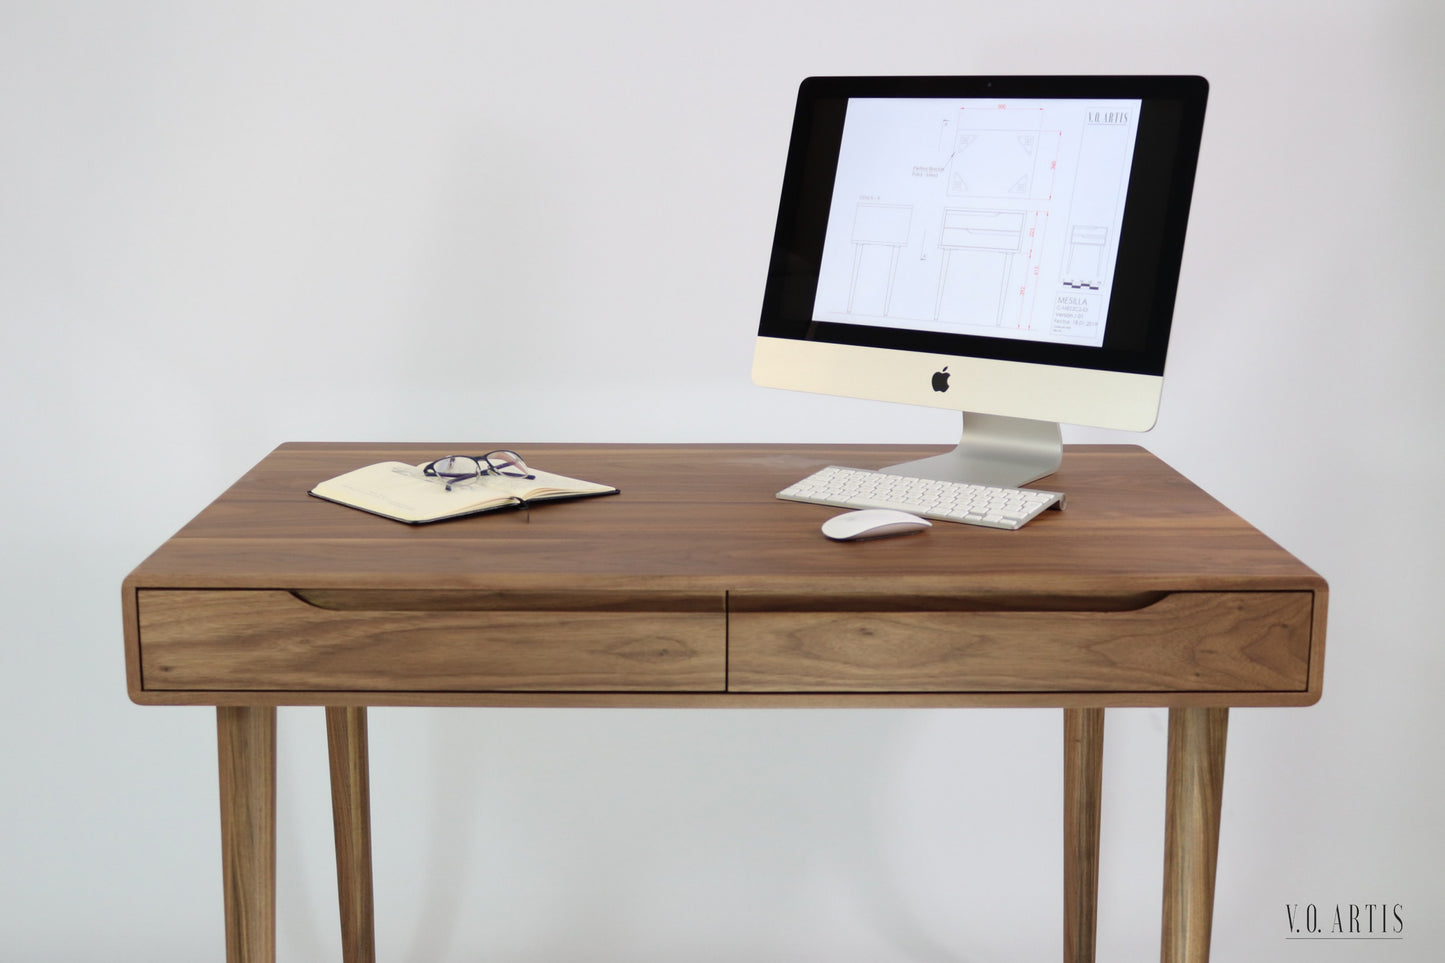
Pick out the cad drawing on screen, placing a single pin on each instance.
(1009, 247)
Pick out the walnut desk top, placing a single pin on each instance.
(696, 586)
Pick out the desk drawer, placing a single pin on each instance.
(1183, 642)
(272, 640)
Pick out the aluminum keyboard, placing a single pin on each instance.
(986, 505)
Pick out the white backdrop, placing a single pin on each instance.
(227, 226)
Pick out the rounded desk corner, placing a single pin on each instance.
(140, 697)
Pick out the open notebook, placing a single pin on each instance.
(402, 492)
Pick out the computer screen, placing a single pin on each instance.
(1005, 246)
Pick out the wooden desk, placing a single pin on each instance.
(696, 587)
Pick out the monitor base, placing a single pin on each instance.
(994, 450)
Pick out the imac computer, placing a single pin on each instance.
(1007, 247)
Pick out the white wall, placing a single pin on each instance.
(227, 226)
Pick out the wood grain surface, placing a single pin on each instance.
(1159, 594)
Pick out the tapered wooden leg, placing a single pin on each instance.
(351, 813)
(247, 755)
(1083, 787)
(1191, 830)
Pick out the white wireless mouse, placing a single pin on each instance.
(872, 523)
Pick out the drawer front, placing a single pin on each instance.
(271, 640)
(1184, 642)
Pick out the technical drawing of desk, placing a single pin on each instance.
(696, 587)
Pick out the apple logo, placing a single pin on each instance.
(940, 379)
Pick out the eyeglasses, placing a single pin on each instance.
(460, 468)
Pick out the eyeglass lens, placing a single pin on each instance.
(506, 462)
(455, 468)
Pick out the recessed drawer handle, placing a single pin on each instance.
(885, 604)
(445, 600)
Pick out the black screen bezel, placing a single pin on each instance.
(1151, 240)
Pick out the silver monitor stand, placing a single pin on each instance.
(994, 450)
